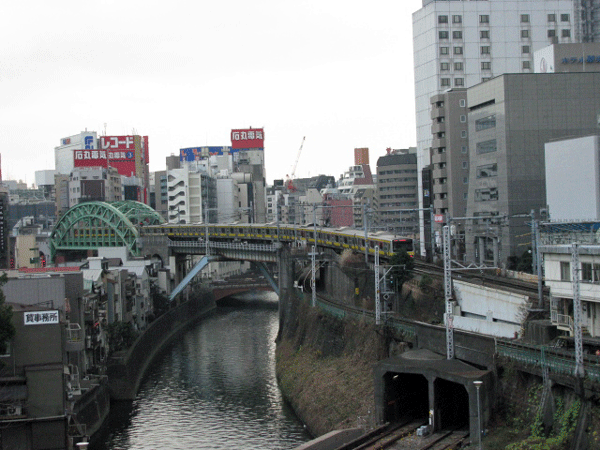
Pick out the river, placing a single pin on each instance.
(213, 388)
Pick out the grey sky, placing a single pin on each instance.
(186, 72)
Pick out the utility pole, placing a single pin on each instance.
(577, 316)
(366, 224)
(313, 259)
(448, 295)
(377, 289)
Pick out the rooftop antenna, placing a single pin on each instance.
(104, 128)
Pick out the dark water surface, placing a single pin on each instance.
(214, 388)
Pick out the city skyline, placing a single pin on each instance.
(339, 74)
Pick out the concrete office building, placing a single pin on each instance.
(511, 118)
(397, 198)
(449, 155)
(458, 44)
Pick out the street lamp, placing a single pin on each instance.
(478, 384)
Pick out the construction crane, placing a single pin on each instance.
(290, 182)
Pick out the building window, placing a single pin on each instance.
(525, 49)
(462, 103)
(564, 17)
(463, 134)
(443, 35)
(565, 271)
(486, 195)
(457, 35)
(485, 123)
(465, 165)
(526, 65)
(486, 146)
(463, 118)
(444, 50)
(486, 65)
(484, 34)
(484, 79)
(442, 19)
(586, 272)
(524, 34)
(459, 82)
(484, 18)
(466, 180)
(463, 149)
(458, 50)
(485, 49)
(445, 66)
(551, 17)
(551, 33)
(445, 81)
(487, 171)
(524, 18)
(458, 66)
(566, 33)
(596, 272)
(456, 19)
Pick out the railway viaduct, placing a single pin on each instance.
(439, 389)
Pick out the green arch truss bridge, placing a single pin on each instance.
(90, 225)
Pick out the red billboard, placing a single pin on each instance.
(89, 158)
(125, 153)
(250, 138)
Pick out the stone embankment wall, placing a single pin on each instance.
(92, 408)
(324, 366)
(126, 369)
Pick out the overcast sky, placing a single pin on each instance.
(186, 72)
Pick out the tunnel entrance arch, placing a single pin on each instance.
(451, 404)
(406, 396)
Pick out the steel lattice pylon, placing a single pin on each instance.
(90, 225)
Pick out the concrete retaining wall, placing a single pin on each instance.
(125, 371)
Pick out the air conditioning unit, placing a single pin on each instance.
(15, 410)
(11, 410)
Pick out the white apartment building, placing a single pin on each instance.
(191, 190)
(462, 43)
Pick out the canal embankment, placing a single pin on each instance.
(126, 368)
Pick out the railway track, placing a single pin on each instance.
(383, 437)
(481, 277)
(446, 440)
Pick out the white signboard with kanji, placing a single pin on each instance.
(40, 317)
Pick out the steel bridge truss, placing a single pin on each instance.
(90, 225)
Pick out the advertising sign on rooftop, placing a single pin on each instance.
(248, 138)
(128, 154)
(198, 153)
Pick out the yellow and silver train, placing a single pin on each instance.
(298, 235)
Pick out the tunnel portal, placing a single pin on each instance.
(407, 396)
(451, 404)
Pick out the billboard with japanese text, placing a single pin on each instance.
(198, 153)
(247, 138)
(128, 154)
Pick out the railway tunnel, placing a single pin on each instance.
(421, 384)
(401, 403)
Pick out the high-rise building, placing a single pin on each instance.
(458, 44)
(397, 199)
(361, 156)
(510, 120)
(449, 155)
